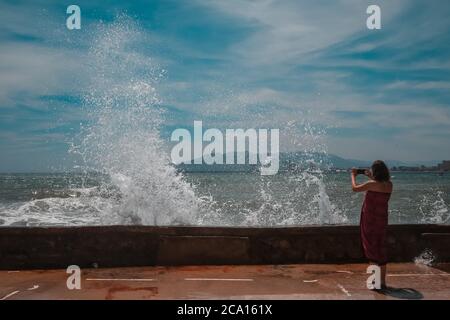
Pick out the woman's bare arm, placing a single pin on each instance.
(361, 187)
(370, 185)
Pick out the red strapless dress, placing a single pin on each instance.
(373, 225)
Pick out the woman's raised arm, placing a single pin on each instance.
(361, 187)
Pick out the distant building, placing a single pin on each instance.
(444, 166)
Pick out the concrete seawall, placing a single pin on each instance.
(122, 246)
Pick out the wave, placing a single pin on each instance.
(121, 140)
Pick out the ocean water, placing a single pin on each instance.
(125, 175)
(222, 199)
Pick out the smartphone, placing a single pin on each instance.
(360, 171)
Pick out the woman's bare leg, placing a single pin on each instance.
(383, 275)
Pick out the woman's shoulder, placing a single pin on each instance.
(380, 186)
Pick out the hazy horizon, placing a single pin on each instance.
(73, 169)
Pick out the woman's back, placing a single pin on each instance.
(379, 186)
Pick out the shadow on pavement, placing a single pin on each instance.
(402, 293)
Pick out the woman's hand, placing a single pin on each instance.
(354, 171)
(368, 173)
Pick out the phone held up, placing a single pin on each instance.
(360, 171)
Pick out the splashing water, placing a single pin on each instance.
(308, 176)
(296, 197)
(434, 209)
(134, 182)
(122, 138)
(426, 258)
(122, 141)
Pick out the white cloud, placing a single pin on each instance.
(30, 70)
(286, 30)
(424, 85)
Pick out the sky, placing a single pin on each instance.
(292, 65)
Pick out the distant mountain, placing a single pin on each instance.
(298, 160)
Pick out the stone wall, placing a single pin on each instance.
(119, 246)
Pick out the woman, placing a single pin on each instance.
(374, 214)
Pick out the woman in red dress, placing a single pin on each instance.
(374, 214)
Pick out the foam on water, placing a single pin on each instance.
(78, 210)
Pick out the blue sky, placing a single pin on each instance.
(239, 64)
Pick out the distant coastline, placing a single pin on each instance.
(289, 162)
(444, 166)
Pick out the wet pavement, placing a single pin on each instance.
(305, 281)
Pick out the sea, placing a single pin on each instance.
(218, 199)
(124, 175)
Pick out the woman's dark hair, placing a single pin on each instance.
(380, 171)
